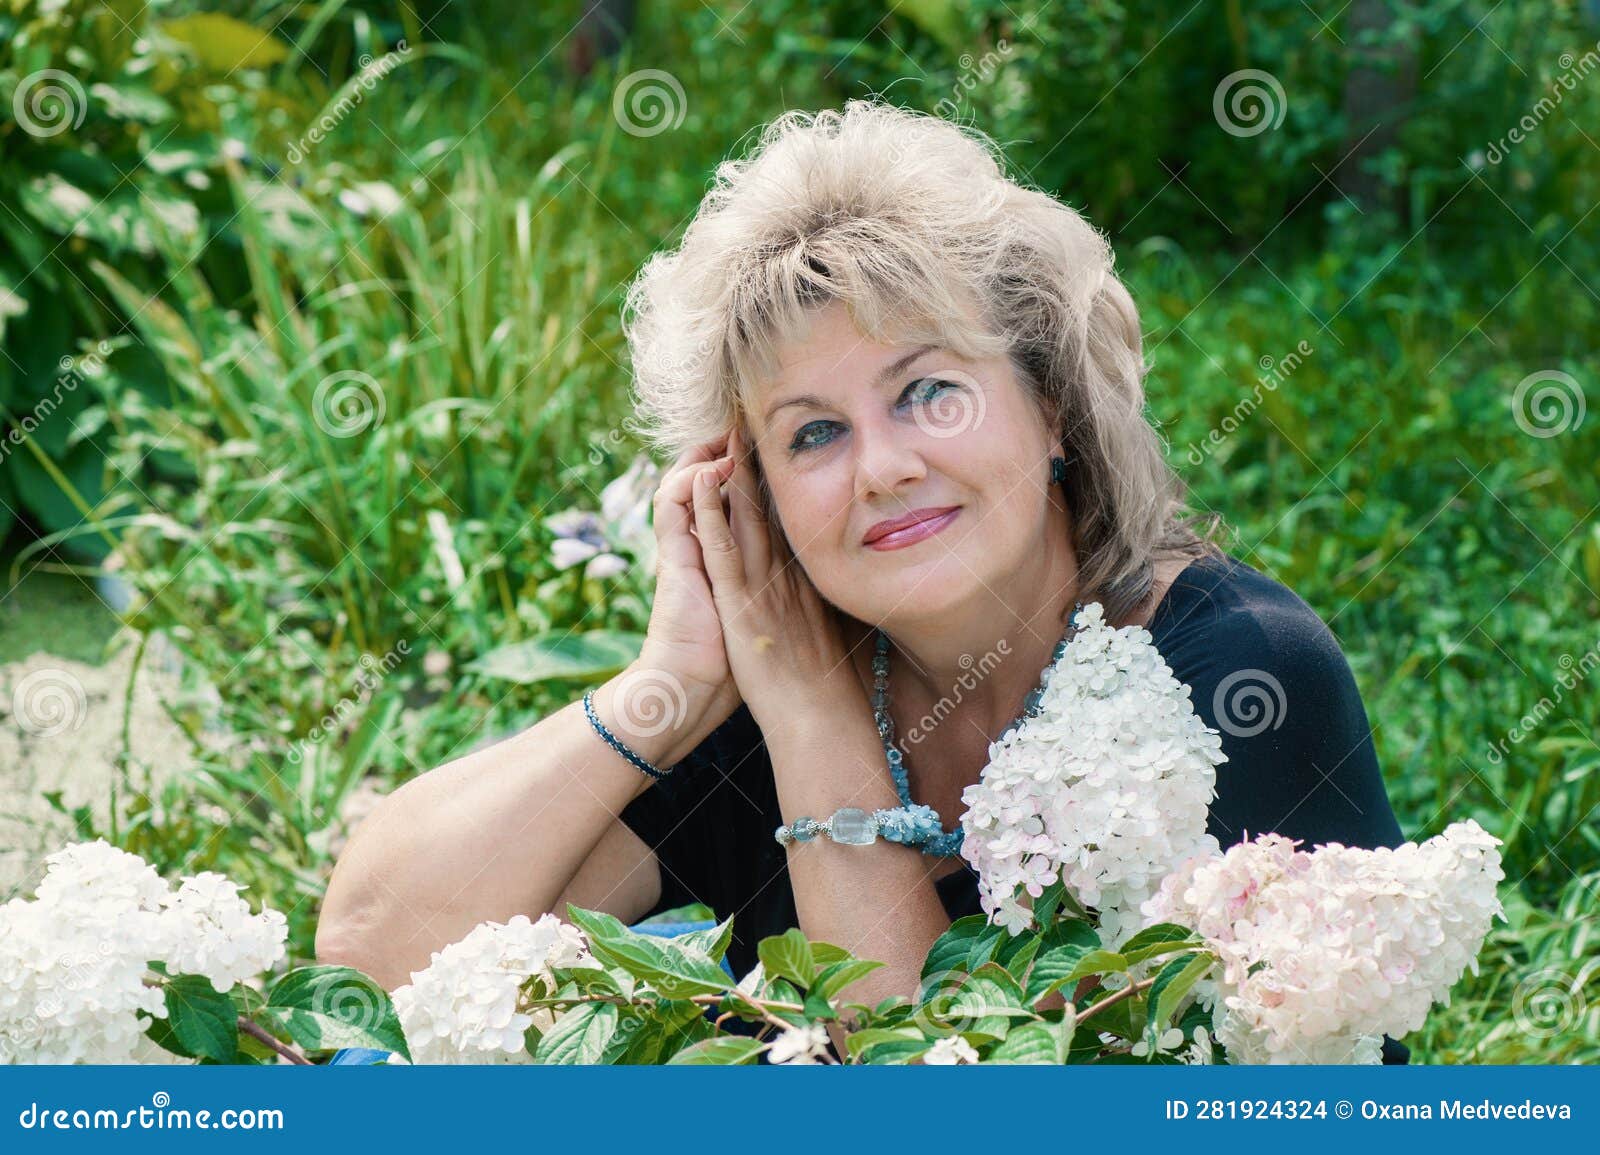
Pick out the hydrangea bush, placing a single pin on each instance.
(1115, 931)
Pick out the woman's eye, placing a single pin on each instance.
(802, 440)
(927, 387)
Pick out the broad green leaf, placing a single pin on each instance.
(324, 1008)
(713, 940)
(788, 955)
(561, 654)
(1065, 945)
(1175, 981)
(833, 979)
(1030, 1043)
(1154, 941)
(723, 1051)
(579, 1036)
(224, 45)
(950, 950)
(675, 969)
(860, 1042)
(202, 1018)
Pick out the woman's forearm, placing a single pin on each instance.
(498, 832)
(878, 901)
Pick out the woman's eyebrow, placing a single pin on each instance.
(894, 369)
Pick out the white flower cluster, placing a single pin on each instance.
(74, 961)
(799, 1046)
(464, 1007)
(1107, 787)
(1325, 951)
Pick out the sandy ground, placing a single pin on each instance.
(61, 728)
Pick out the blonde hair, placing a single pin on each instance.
(910, 221)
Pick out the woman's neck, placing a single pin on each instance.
(981, 662)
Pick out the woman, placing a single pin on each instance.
(903, 394)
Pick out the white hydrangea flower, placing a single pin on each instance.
(1107, 787)
(1326, 951)
(950, 1050)
(799, 1045)
(75, 960)
(212, 932)
(464, 1007)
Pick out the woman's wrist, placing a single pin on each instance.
(651, 714)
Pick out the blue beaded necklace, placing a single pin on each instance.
(931, 835)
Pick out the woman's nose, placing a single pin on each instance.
(886, 461)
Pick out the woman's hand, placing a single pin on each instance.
(684, 637)
(782, 640)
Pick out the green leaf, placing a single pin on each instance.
(224, 45)
(560, 654)
(985, 1003)
(1161, 939)
(1030, 1043)
(833, 979)
(788, 955)
(202, 1018)
(950, 950)
(674, 968)
(722, 1051)
(324, 1008)
(579, 1036)
(858, 1043)
(1065, 946)
(826, 953)
(713, 940)
(1175, 981)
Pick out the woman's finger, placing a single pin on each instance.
(717, 547)
(744, 511)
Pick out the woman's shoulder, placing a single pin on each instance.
(1223, 614)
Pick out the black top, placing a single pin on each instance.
(1300, 761)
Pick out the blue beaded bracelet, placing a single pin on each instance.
(614, 743)
(851, 826)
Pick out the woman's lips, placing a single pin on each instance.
(912, 534)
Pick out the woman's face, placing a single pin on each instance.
(852, 433)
